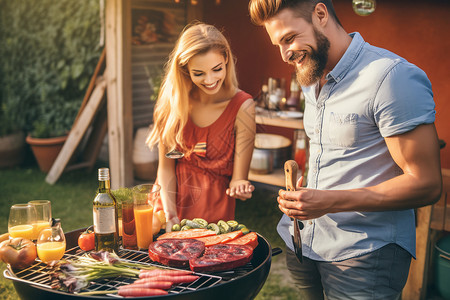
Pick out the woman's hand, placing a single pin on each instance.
(241, 189)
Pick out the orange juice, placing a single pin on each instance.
(23, 231)
(143, 218)
(38, 226)
(50, 251)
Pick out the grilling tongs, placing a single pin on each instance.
(290, 170)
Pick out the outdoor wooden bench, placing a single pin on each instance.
(432, 222)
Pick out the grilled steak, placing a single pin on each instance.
(222, 257)
(175, 252)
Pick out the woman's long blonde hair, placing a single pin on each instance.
(172, 107)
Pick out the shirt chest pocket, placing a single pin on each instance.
(343, 129)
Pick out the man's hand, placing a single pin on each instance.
(303, 204)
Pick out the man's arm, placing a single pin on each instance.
(416, 152)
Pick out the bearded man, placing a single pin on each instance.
(374, 155)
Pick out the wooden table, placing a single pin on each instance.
(271, 118)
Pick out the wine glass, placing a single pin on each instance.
(43, 216)
(21, 219)
(51, 243)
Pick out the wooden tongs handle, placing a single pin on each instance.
(290, 172)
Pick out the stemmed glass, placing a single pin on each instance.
(43, 216)
(21, 219)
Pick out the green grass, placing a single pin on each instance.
(72, 196)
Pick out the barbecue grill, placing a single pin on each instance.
(241, 283)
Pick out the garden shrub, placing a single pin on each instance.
(49, 50)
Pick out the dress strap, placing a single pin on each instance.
(235, 104)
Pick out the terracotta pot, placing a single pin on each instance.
(12, 150)
(46, 150)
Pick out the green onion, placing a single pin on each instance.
(75, 274)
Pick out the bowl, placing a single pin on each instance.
(270, 152)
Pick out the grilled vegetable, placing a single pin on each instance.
(223, 226)
(173, 279)
(214, 227)
(141, 292)
(75, 274)
(159, 272)
(221, 238)
(233, 224)
(220, 228)
(164, 285)
(245, 230)
(250, 239)
(18, 252)
(240, 226)
(186, 234)
(192, 224)
(202, 222)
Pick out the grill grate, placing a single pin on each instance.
(39, 274)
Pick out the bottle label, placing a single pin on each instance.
(104, 220)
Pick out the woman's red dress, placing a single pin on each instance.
(204, 175)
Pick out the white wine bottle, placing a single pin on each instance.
(106, 227)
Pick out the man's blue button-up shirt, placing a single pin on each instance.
(369, 95)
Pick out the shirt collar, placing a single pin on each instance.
(349, 57)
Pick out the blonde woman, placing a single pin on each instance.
(202, 113)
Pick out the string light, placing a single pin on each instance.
(364, 7)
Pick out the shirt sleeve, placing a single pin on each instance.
(404, 100)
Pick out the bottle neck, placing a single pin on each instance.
(104, 186)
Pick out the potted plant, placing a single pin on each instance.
(12, 138)
(49, 130)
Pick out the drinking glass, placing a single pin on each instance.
(129, 239)
(144, 196)
(21, 219)
(51, 243)
(43, 216)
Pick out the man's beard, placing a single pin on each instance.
(312, 70)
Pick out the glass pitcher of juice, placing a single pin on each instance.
(51, 243)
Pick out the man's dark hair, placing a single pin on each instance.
(262, 10)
